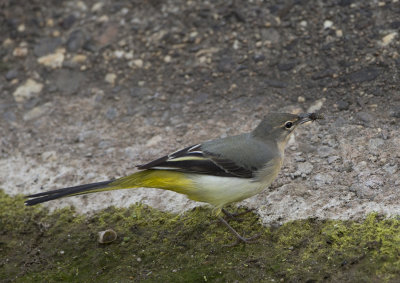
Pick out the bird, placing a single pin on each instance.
(219, 171)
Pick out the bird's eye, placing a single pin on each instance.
(288, 125)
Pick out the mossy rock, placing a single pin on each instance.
(38, 246)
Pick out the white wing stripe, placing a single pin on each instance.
(175, 152)
(164, 168)
(194, 147)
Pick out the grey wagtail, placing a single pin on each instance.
(219, 172)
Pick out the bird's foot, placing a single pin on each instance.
(239, 238)
(234, 216)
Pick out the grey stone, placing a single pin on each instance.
(201, 97)
(340, 122)
(323, 179)
(140, 91)
(390, 169)
(275, 83)
(333, 158)
(10, 116)
(299, 158)
(395, 25)
(305, 168)
(271, 35)
(226, 64)
(374, 182)
(284, 67)
(68, 81)
(342, 105)
(325, 151)
(323, 74)
(85, 135)
(68, 21)
(28, 90)
(12, 74)
(364, 75)
(49, 156)
(395, 112)
(131, 153)
(362, 191)
(104, 144)
(378, 91)
(258, 57)
(46, 46)
(38, 111)
(111, 113)
(76, 40)
(360, 167)
(375, 144)
(365, 117)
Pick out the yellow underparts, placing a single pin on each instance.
(162, 179)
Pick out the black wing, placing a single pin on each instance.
(193, 159)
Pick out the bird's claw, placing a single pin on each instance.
(234, 216)
(243, 240)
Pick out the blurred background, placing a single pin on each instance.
(89, 89)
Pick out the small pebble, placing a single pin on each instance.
(339, 33)
(97, 7)
(342, 105)
(12, 74)
(303, 23)
(364, 75)
(68, 21)
(138, 63)
(364, 117)
(21, 28)
(154, 141)
(325, 151)
(258, 58)
(333, 158)
(79, 58)
(387, 39)
(107, 236)
(27, 90)
(375, 144)
(54, 60)
(395, 112)
(111, 113)
(167, 59)
(328, 24)
(76, 40)
(316, 106)
(38, 111)
(49, 156)
(301, 99)
(390, 169)
(20, 51)
(323, 178)
(110, 78)
(46, 46)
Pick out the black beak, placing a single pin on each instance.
(307, 117)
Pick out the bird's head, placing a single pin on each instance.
(277, 127)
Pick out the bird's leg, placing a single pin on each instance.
(239, 238)
(235, 215)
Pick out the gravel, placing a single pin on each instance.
(132, 81)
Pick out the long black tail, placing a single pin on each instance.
(77, 190)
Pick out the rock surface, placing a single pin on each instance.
(120, 84)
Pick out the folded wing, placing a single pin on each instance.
(194, 159)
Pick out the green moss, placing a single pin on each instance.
(36, 245)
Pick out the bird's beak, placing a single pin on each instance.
(307, 117)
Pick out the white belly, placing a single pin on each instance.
(220, 191)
